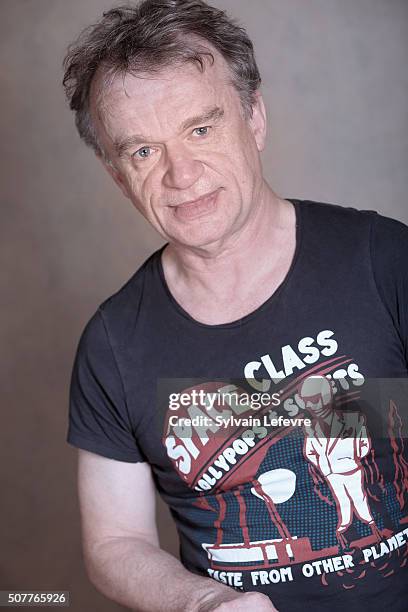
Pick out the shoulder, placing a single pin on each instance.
(129, 295)
(389, 256)
(117, 315)
(384, 235)
(328, 212)
(389, 240)
(332, 226)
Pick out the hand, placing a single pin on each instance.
(239, 602)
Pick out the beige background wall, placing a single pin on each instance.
(336, 87)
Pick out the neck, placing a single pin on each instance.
(224, 282)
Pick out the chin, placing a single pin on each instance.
(201, 236)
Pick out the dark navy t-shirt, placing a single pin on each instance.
(313, 514)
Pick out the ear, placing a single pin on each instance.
(258, 121)
(116, 175)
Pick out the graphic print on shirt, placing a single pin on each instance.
(304, 498)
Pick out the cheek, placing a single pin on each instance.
(150, 187)
(248, 145)
(146, 192)
(242, 150)
(136, 183)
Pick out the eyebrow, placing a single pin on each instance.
(212, 114)
(121, 146)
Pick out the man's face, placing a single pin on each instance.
(316, 394)
(182, 150)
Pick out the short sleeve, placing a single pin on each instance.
(98, 416)
(389, 250)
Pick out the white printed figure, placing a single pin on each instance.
(335, 443)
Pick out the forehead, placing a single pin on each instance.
(158, 100)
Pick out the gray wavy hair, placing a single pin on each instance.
(147, 37)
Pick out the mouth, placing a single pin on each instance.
(197, 208)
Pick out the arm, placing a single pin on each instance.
(309, 450)
(363, 440)
(121, 547)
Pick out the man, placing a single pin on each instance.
(335, 443)
(250, 287)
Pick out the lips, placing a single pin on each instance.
(196, 208)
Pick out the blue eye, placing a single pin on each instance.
(202, 131)
(142, 153)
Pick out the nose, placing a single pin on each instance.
(182, 170)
